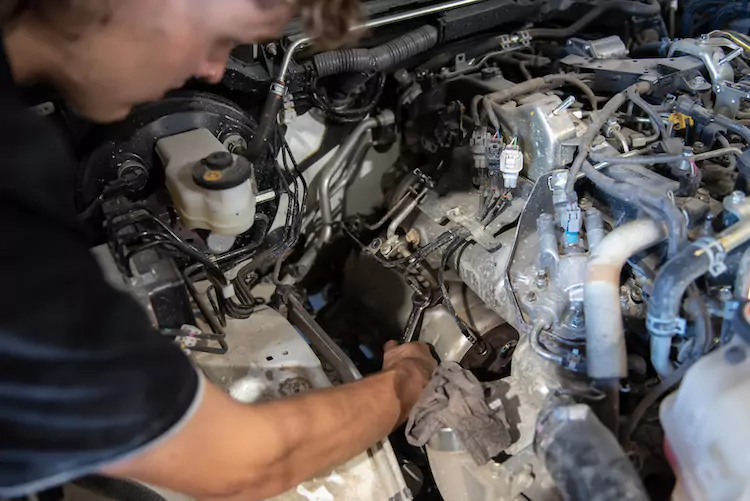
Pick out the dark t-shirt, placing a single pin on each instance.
(84, 378)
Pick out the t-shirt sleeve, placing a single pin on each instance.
(84, 378)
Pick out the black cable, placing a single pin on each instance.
(465, 330)
(371, 98)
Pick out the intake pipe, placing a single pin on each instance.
(606, 357)
(663, 319)
(378, 58)
(583, 456)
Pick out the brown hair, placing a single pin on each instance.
(329, 22)
(68, 15)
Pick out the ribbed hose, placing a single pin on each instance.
(378, 58)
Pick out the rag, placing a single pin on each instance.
(455, 399)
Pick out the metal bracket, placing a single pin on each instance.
(424, 178)
(520, 37)
(477, 229)
(716, 254)
(460, 62)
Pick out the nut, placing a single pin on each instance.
(412, 236)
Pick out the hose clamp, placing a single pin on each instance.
(665, 328)
(716, 255)
(278, 88)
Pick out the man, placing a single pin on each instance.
(86, 385)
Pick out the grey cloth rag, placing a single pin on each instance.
(455, 399)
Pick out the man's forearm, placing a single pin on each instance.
(232, 450)
(320, 430)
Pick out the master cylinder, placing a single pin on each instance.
(211, 188)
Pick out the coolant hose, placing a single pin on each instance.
(606, 356)
(378, 58)
(663, 319)
(657, 205)
(583, 457)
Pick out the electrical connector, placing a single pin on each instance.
(511, 164)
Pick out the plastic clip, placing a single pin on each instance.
(716, 255)
(666, 328)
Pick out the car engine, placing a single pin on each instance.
(551, 193)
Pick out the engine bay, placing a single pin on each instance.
(552, 194)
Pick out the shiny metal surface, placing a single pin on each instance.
(446, 441)
(542, 133)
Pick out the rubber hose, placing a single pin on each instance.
(649, 110)
(588, 137)
(733, 126)
(570, 30)
(651, 8)
(656, 205)
(117, 489)
(583, 456)
(639, 160)
(378, 58)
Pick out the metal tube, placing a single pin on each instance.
(389, 214)
(355, 160)
(342, 155)
(717, 153)
(404, 214)
(622, 140)
(374, 23)
(536, 345)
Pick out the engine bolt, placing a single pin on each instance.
(541, 280)
(724, 293)
(412, 236)
(531, 297)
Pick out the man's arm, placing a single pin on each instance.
(231, 450)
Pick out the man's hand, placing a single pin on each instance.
(414, 364)
(232, 451)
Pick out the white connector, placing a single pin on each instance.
(511, 164)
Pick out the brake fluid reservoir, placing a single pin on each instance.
(211, 188)
(707, 427)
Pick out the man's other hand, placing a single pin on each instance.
(414, 364)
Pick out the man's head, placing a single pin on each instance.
(107, 56)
